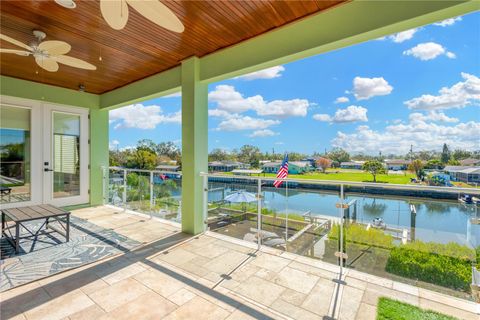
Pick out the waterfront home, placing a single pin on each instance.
(246, 172)
(397, 164)
(352, 165)
(467, 174)
(226, 166)
(470, 162)
(294, 167)
(168, 167)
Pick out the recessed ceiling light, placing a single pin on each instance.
(69, 4)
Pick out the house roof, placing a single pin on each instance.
(301, 164)
(352, 163)
(462, 169)
(167, 167)
(397, 161)
(469, 162)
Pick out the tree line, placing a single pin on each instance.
(148, 154)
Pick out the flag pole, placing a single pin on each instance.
(286, 221)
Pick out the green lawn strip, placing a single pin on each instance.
(347, 176)
(389, 309)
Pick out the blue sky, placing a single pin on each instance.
(417, 87)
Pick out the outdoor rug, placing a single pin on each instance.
(48, 253)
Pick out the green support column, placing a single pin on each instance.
(194, 145)
(98, 153)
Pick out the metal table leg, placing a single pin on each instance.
(17, 237)
(68, 228)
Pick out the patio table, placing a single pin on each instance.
(21, 215)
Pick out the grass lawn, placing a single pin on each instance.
(395, 310)
(359, 176)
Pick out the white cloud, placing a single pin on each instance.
(263, 133)
(142, 117)
(322, 117)
(221, 113)
(459, 95)
(342, 100)
(279, 143)
(428, 51)
(232, 101)
(284, 108)
(350, 114)
(432, 116)
(403, 36)
(238, 123)
(366, 88)
(173, 95)
(113, 145)
(398, 138)
(269, 73)
(448, 22)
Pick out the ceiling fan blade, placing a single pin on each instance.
(47, 63)
(19, 52)
(158, 13)
(55, 47)
(15, 42)
(115, 13)
(74, 62)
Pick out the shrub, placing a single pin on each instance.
(389, 309)
(434, 263)
(356, 233)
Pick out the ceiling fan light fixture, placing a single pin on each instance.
(69, 4)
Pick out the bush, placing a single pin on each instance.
(434, 263)
(356, 233)
(389, 309)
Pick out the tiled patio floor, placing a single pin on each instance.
(209, 277)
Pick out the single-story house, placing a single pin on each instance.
(465, 174)
(168, 167)
(352, 165)
(397, 164)
(246, 172)
(294, 167)
(470, 162)
(226, 166)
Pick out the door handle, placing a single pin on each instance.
(47, 169)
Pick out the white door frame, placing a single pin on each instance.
(39, 130)
(48, 142)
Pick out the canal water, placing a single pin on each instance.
(427, 220)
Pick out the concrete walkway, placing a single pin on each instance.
(210, 277)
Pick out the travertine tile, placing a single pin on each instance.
(199, 309)
(22, 299)
(118, 294)
(149, 306)
(293, 297)
(293, 312)
(92, 312)
(350, 303)
(270, 262)
(159, 282)
(448, 310)
(60, 307)
(260, 290)
(318, 300)
(296, 280)
(182, 296)
(366, 312)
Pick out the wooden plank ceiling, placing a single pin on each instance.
(142, 48)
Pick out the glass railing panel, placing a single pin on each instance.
(233, 207)
(138, 191)
(166, 195)
(115, 187)
(402, 235)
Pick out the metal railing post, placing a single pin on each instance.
(342, 212)
(259, 213)
(151, 191)
(205, 202)
(104, 185)
(124, 196)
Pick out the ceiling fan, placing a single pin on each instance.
(115, 12)
(47, 54)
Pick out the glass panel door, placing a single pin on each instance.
(15, 154)
(66, 156)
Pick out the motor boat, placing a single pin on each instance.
(466, 198)
(378, 223)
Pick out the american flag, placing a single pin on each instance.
(282, 172)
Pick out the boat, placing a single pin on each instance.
(379, 223)
(476, 200)
(466, 198)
